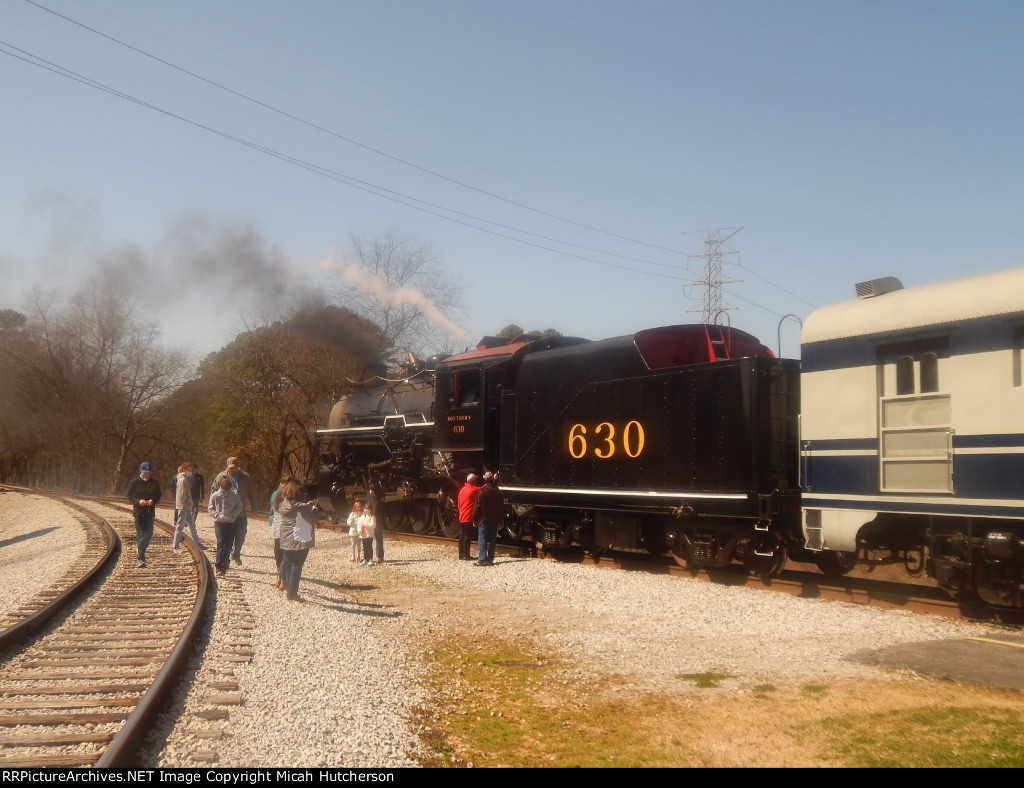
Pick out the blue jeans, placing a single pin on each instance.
(144, 529)
(241, 529)
(185, 519)
(225, 538)
(487, 538)
(291, 569)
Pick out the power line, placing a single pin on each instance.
(369, 148)
(712, 292)
(355, 183)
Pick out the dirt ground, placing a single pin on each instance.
(713, 727)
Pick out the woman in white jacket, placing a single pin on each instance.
(367, 529)
(184, 505)
(296, 518)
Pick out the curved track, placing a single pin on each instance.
(101, 547)
(85, 690)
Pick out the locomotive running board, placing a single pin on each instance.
(624, 493)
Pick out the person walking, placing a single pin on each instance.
(198, 488)
(487, 513)
(144, 495)
(467, 497)
(297, 521)
(225, 507)
(242, 484)
(275, 527)
(184, 507)
(353, 530)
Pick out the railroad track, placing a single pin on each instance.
(860, 587)
(82, 687)
(918, 598)
(101, 546)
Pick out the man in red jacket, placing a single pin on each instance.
(467, 530)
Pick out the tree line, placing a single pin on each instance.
(87, 390)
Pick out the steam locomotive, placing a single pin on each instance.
(898, 439)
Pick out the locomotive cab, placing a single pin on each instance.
(469, 390)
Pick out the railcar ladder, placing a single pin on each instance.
(718, 348)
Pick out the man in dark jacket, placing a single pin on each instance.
(488, 512)
(375, 506)
(198, 488)
(144, 495)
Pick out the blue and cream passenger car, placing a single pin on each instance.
(912, 432)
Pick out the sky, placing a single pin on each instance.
(565, 161)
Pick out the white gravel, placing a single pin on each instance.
(333, 681)
(39, 540)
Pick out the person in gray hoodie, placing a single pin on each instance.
(225, 507)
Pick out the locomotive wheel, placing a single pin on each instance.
(420, 517)
(407, 517)
(836, 564)
(449, 516)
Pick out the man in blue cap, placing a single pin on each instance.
(144, 494)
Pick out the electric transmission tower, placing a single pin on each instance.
(713, 311)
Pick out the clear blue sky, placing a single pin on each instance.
(578, 149)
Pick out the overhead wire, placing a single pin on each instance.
(383, 192)
(371, 149)
(355, 183)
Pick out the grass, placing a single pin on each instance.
(929, 737)
(705, 680)
(499, 704)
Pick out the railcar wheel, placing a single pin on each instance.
(767, 566)
(514, 528)
(836, 564)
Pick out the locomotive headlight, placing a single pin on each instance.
(671, 539)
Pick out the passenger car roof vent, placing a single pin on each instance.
(877, 287)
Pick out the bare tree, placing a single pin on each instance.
(397, 283)
(93, 377)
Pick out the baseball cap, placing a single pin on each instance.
(233, 462)
(146, 467)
